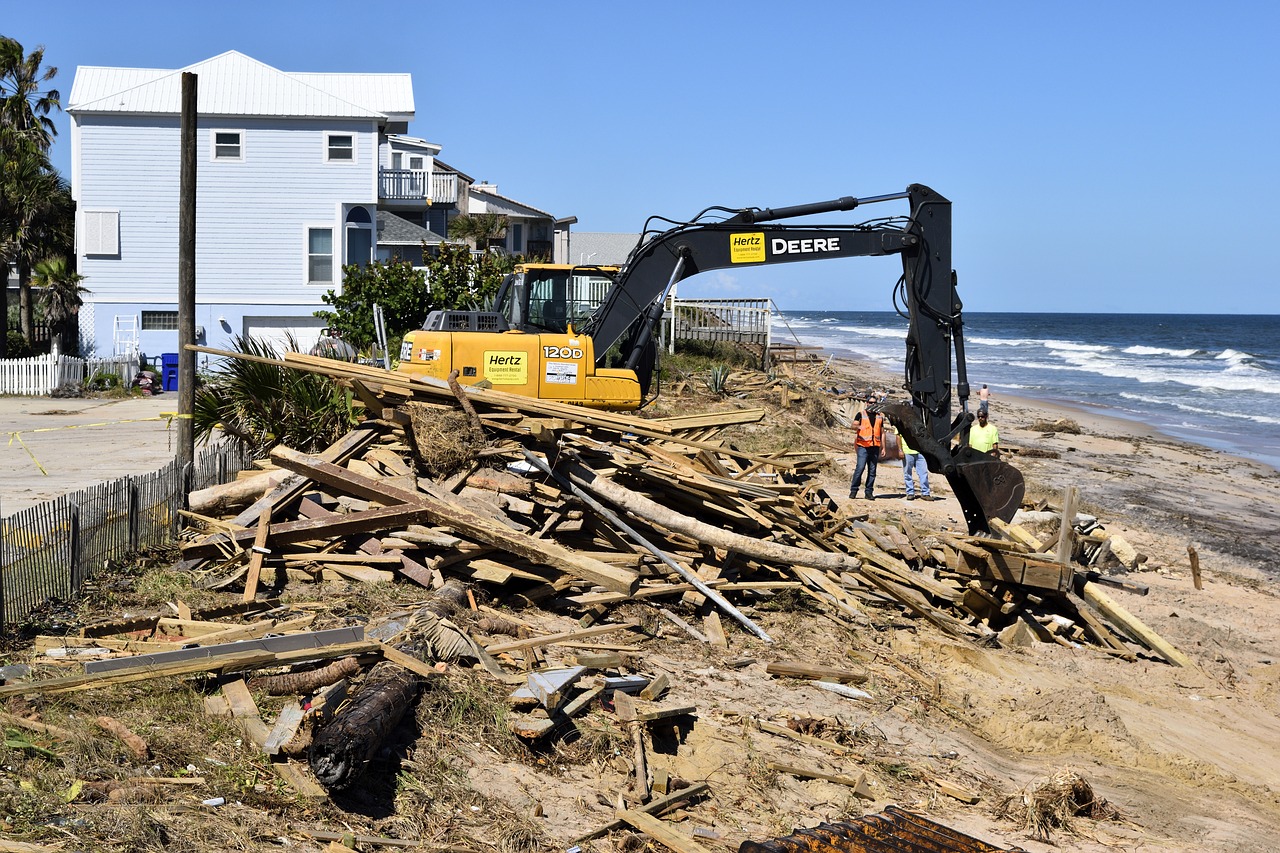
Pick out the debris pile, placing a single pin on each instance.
(549, 548)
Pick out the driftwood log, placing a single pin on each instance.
(343, 748)
(241, 492)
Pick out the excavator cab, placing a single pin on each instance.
(551, 297)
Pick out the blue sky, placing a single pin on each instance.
(1100, 156)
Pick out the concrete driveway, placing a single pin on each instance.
(50, 446)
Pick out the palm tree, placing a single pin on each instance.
(60, 292)
(37, 217)
(480, 228)
(28, 185)
(23, 106)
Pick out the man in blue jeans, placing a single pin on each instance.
(870, 427)
(913, 461)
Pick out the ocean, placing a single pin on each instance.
(1210, 379)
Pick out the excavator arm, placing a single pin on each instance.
(985, 487)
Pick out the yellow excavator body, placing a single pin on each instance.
(548, 366)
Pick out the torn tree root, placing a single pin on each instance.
(292, 683)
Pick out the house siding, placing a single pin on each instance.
(251, 215)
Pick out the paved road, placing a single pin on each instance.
(50, 446)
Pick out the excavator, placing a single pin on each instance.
(585, 334)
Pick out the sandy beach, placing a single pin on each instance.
(1190, 757)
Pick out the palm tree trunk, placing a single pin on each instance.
(4, 309)
(24, 299)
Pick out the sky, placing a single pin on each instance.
(1097, 154)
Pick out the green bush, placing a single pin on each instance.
(17, 346)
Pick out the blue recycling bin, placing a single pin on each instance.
(169, 371)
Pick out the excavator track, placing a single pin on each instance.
(894, 830)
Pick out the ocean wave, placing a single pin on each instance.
(1253, 381)
(1003, 342)
(1217, 408)
(1234, 356)
(1074, 346)
(1176, 353)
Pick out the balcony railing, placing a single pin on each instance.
(417, 184)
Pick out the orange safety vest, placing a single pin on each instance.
(870, 428)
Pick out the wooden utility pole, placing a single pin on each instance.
(187, 274)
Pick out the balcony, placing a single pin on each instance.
(417, 185)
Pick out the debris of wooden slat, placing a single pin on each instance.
(659, 806)
(1130, 624)
(683, 625)
(783, 731)
(858, 783)
(797, 669)
(661, 832)
(250, 659)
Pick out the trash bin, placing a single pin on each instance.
(169, 370)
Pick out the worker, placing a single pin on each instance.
(870, 427)
(912, 460)
(984, 436)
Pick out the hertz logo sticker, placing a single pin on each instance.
(746, 248)
(506, 368)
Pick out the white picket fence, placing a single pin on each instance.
(41, 374)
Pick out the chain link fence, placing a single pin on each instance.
(50, 550)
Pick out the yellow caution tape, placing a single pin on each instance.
(16, 435)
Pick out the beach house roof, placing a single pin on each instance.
(234, 84)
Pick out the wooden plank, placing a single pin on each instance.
(858, 783)
(653, 807)
(257, 553)
(286, 726)
(783, 731)
(798, 669)
(330, 526)
(1131, 624)
(255, 659)
(661, 832)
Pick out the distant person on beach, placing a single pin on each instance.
(913, 461)
(870, 427)
(984, 436)
(984, 399)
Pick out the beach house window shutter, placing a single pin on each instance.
(102, 232)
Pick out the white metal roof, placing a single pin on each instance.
(234, 84)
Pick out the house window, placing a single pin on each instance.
(319, 256)
(159, 321)
(228, 145)
(415, 163)
(340, 147)
(517, 237)
(101, 235)
(397, 161)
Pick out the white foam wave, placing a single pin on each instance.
(1003, 342)
(1218, 410)
(1233, 356)
(1073, 346)
(1176, 353)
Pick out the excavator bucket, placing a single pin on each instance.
(986, 488)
